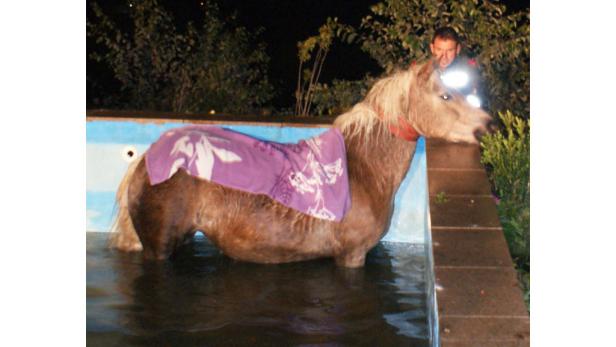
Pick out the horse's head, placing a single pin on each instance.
(416, 99)
(437, 112)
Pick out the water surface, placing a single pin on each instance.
(202, 298)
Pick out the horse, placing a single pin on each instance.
(158, 219)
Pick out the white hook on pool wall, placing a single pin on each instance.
(130, 153)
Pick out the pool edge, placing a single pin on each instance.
(478, 299)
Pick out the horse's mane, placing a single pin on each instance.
(387, 100)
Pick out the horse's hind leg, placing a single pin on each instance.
(163, 216)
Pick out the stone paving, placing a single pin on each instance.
(478, 297)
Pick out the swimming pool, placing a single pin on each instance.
(204, 297)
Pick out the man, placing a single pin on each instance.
(458, 73)
(445, 46)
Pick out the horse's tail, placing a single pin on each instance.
(123, 234)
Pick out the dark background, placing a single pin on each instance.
(283, 24)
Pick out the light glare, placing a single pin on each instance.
(455, 79)
(473, 100)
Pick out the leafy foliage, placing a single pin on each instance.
(340, 96)
(398, 32)
(196, 70)
(307, 78)
(507, 155)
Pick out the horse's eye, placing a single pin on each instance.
(446, 96)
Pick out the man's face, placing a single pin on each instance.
(444, 51)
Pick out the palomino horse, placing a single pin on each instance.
(252, 227)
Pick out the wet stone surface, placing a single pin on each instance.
(463, 247)
(478, 295)
(203, 298)
(464, 212)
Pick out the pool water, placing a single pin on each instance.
(203, 298)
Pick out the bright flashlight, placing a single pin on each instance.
(473, 100)
(455, 79)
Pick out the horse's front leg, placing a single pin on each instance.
(362, 228)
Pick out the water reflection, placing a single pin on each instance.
(204, 298)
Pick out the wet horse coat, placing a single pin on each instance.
(256, 228)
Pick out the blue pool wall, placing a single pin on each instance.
(109, 141)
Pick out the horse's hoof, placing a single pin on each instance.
(351, 261)
(134, 247)
(126, 244)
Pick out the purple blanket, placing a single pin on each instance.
(310, 176)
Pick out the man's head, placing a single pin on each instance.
(445, 46)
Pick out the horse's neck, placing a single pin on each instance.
(378, 161)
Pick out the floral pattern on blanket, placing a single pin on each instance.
(309, 176)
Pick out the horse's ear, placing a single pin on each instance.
(426, 70)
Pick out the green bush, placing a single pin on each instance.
(506, 154)
(339, 97)
(161, 68)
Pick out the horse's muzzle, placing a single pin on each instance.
(490, 127)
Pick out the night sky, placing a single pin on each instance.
(284, 24)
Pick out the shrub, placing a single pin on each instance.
(507, 156)
(339, 97)
(159, 67)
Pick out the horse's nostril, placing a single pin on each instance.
(492, 126)
(478, 133)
